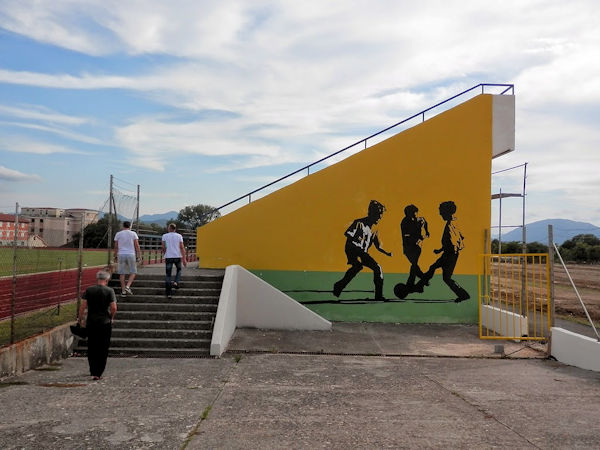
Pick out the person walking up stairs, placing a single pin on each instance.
(174, 250)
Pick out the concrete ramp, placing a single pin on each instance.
(247, 301)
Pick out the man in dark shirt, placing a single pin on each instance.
(101, 305)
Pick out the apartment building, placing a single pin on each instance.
(57, 226)
(7, 230)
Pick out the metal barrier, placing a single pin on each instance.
(514, 297)
(151, 247)
(156, 256)
(39, 287)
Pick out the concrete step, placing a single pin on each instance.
(160, 283)
(184, 278)
(187, 299)
(159, 352)
(167, 307)
(164, 315)
(160, 291)
(146, 342)
(128, 342)
(163, 324)
(150, 325)
(173, 334)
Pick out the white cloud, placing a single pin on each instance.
(303, 79)
(66, 81)
(57, 23)
(19, 144)
(58, 131)
(40, 113)
(152, 142)
(7, 174)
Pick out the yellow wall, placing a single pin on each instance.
(301, 227)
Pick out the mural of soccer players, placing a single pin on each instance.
(452, 244)
(414, 230)
(359, 238)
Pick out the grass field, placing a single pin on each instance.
(44, 260)
(36, 322)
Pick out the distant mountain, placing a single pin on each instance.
(563, 230)
(159, 219)
(120, 218)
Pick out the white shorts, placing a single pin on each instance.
(127, 264)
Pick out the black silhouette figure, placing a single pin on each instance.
(452, 244)
(414, 231)
(359, 238)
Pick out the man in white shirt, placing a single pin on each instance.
(127, 250)
(172, 247)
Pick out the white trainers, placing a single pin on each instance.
(128, 290)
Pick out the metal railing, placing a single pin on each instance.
(508, 88)
(514, 297)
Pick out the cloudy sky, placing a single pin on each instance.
(204, 101)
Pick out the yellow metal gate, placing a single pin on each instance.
(514, 297)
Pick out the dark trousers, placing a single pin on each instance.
(357, 261)
(98, 344)
(169, 262)
(412, 254)
(447, 262)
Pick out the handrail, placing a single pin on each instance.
(509, 87)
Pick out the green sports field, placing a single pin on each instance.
(34, 260)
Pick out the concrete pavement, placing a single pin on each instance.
(361, 385)
(312, 390)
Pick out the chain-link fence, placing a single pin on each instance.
(40, 284)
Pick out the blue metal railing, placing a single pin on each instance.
(509, 87)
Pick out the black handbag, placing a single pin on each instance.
(79, 331)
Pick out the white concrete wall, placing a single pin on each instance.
(226, 319)
(248, 301)
(503, 126)
(575, 349)
(504, 323)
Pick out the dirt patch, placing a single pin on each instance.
(587, 280)
(506, 281)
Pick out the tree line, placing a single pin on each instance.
(95, 235)
(582, 248)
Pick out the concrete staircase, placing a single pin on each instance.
(148, 324)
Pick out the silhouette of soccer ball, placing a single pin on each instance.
(401, 290)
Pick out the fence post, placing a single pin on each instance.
(551, 281)
(524, 301)
(80, 266)
(60, 280)
(13, 298)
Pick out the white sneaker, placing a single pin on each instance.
(128, 290)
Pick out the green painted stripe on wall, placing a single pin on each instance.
(435, 305)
